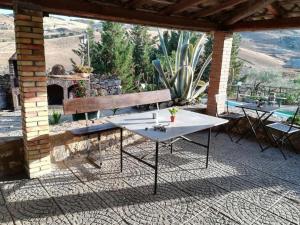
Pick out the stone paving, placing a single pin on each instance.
(240, 186)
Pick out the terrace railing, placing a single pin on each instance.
(290, 96)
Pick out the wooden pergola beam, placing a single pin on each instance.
(82, 8)
(217, 8)
(180, 6)
(249, 9)
(271, 24)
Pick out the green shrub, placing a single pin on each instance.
(55, 118)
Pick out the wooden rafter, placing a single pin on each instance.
(281, 14)
(86, 9)
(271, 24)
(180, 6)
(249, 9)
(133, 3)
(217, 8)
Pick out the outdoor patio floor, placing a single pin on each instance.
(240, 186)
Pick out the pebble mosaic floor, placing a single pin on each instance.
(240, 186)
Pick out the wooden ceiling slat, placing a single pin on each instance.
(86, 9)
(271, 24)
(180, 6)
(284, 13)
(218, 8)
(249, 9)
(134, 3)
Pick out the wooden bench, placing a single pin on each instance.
(92, 104)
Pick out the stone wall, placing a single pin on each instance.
(11, 156)
(244, 126)
(105, 85)
(5, 96)
(63, 145)
(4, 81)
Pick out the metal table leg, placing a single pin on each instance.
(121, 149)
(156, 167)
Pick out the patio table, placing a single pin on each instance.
(187, 122)
(263, 113)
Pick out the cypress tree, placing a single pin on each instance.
(142, 53)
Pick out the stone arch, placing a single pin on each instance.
(71, 89)
(55, 94)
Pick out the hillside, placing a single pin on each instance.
(279, 50)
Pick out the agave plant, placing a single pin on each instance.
(183, 77)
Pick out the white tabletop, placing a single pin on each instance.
(186, 122)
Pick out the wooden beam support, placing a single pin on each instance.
(271, 24)
(180, 6)
(217, 8)
(249, 9)
(82, 8)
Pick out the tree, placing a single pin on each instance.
(266, 77)
(142, 53)
(171, 42)
(113, 55)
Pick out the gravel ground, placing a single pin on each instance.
(10, 122)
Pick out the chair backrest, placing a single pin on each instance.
(92, 104)
(220, 98)
(292, 123)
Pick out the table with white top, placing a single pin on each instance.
(186, 122)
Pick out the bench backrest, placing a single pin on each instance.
(92, 104)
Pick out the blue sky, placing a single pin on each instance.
(5, 11)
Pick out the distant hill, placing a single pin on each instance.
(279, 50)
(282, 45)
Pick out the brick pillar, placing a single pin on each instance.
(219, 71)
(33, 88)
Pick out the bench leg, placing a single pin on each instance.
(208, 147)
(156, 167)
(100, 150)
(121, 149)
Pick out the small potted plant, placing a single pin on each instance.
(173, 112)
(83, 71)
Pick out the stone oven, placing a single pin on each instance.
(14, 81)
(60, 87)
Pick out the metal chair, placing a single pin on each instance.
(280, 133)
(232, 117)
